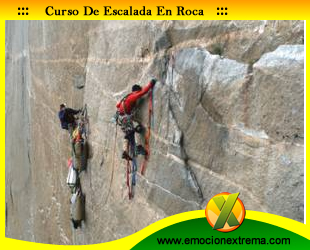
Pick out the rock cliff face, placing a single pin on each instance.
(229, 116)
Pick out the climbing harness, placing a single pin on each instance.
(126, 122)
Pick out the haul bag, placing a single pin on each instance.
(78, 206)
(78, 147)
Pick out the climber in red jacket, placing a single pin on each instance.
(128, 103)
(125, 113)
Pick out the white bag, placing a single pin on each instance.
(72, 177)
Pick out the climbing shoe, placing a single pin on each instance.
(140, 150)
(126, 156)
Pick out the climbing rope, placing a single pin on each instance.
(152, 114)
(133, 175)
(131, 168)
(128, 179)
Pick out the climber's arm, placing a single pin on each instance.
(72, 111)
(136, 95)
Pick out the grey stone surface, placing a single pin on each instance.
(229, 117)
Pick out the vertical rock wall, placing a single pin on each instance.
(229, 116)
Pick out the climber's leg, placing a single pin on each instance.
(125, 154)
(139, 131)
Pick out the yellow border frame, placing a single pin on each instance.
(130, 241)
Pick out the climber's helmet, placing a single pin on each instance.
(136, 87)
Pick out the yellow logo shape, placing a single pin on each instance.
(225, 212)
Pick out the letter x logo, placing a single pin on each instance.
(225, 207)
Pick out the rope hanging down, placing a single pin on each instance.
(131, 169)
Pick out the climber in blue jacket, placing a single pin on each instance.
(66, 117)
